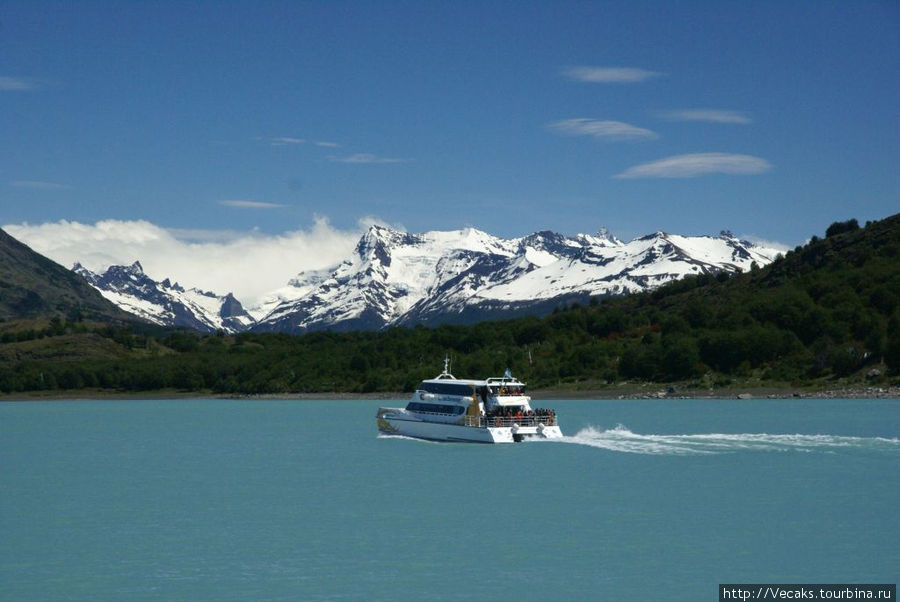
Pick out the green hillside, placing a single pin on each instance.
(33, 286)
(826, 313)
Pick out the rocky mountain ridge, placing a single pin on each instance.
(167, 303)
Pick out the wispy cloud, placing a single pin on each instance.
(609, 75)
(38, 185)
(250, 264)
(606, 130)
(697, 164)
(241, 204)
(16, 84)
(286, 141)
(294, 141)
(708, 115)
(366, 159)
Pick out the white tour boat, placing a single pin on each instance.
(446, 408)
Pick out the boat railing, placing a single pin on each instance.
(509, 421)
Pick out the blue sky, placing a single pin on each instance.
(772, 119)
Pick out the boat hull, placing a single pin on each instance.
(392, 421)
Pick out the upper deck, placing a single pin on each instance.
(443, 386)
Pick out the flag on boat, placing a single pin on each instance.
(507, 374)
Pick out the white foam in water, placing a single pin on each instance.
(621, 439)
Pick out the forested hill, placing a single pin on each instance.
(33, 286)
(829, 308)
(825, 312)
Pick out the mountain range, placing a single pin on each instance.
(462, 276)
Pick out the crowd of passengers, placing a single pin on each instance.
(508, 391)
(516, 413)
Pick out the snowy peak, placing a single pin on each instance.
(604, 238)
(374, 243)
(549, 241)
(166, 303)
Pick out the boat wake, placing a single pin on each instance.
(417, 439)
(620, 439)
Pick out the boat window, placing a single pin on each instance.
(448, 388)
(435, 408)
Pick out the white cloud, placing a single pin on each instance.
(708, 115)
(609, 75)
(38, 185)
(697, 164)
(607, 130)
(240, 204)
(764, 242)
(16, 84)
(249, 264)
(202, 235)
(325, 144)
(366, 159)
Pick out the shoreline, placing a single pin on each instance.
(663, 391)
(633, 392)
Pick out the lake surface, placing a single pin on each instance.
(300, 500)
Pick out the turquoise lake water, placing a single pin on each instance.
(301, 500)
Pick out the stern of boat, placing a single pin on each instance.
(511, 431)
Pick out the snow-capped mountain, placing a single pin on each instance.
(166, 303)
(396, 278)
(388, 273)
